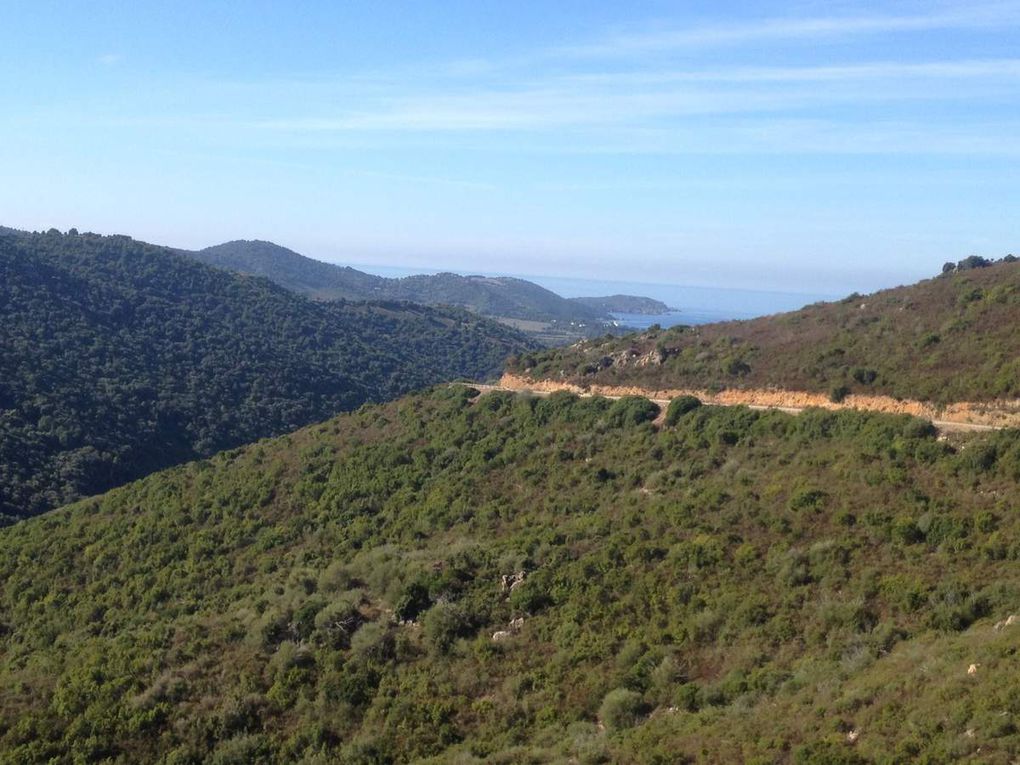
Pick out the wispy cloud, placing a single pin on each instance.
(110, 59)
(813, 136)
(589, 102)
(975, 16)
(1008, 68)
(654, 99)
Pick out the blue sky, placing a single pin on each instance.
(810, 146)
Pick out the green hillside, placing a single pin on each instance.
(515, 579)
(118, 358)
(322, 281)
(625, 304)
(951, 338)
(503, 297)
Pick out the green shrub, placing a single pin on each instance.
(444, 623)
(864, 376)
(838, 393)
(631, 410)
(246, 749)
(827, 753)
(680, 406)
(413, 600)
(335, 624)
(621, 708)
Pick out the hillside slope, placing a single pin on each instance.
(322, 281)
(118, 358)
(951, 338)
(504, 297)
(625, 304)
(512, 579)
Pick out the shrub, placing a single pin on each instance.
(413, 600)
(246, 749)
(906, 530)
(620, 709)
(443, 624)
(979, 457)
(809, 499)
(680, 406)
(631, 410)
(838, 393)
(335, 624)
(737, 367)
(974, 261)
(864, 376)
(827, 753)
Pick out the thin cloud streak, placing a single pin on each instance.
(716, 35)
(590, 103)
(784, 137)
(1007, 68)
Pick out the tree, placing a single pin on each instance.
(680, 406)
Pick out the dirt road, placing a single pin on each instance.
(517, 385)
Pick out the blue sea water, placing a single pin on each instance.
(693, 305)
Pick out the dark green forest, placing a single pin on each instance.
(119, 358)
(951, 338)
(509, 579)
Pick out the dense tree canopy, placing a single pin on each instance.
(119, 358)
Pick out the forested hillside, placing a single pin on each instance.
(624, 304)
(504, 297)
(511, 579)
(118, 358)
(323, 281)
(951, 338)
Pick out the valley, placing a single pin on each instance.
(520, 383)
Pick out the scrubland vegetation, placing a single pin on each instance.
(948, 339)
(508, 579)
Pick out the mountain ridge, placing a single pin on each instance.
(119, 357)
(512, 299)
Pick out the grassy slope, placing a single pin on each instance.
(758, 584)
(119, 358)
(953, 338)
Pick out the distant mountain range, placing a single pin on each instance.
(506, 298)
(118, 358)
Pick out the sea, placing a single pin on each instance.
(691, 305)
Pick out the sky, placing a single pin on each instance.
(798, 146)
